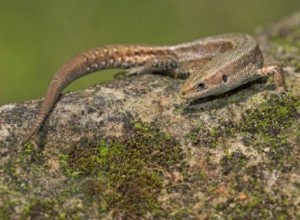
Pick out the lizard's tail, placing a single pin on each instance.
(60, 80)
(108, 57)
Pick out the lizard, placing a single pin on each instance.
(212, 65)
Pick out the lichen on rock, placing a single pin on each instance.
(129, 148)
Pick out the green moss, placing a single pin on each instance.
(267, 129)
(140, 126)
(6, 209)
(202, 136)
(234, 162)
(257, 206)
(263, 128)
(126, 175)
(52, 208)
(183, 213)
(28, 149)
(271, 117)
(202, 175)
(40, 210)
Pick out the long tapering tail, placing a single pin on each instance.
(119, 56)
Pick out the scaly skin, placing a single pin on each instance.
(238, 62)
(134, 57)
(214, 64)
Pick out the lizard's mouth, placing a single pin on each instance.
(183, 93)
(189, 94)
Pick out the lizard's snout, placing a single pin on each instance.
(182, 93)
(185, 91)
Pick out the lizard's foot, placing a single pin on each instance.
(279, 92)
(179, 73)
(124, 74)
(158, 64)
(132, 72)
(278, 76)
(137, 71)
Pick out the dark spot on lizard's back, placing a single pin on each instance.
(136, 52)
(224, 77)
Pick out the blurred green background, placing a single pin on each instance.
(36, 36)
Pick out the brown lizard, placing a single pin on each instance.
(214, 65)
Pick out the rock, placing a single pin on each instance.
(130, 148)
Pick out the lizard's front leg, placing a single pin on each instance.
(278, 76)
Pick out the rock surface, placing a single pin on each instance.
(129, 148)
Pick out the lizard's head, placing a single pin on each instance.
(209, 84)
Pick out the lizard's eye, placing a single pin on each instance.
(224, 78)
(201, 85)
